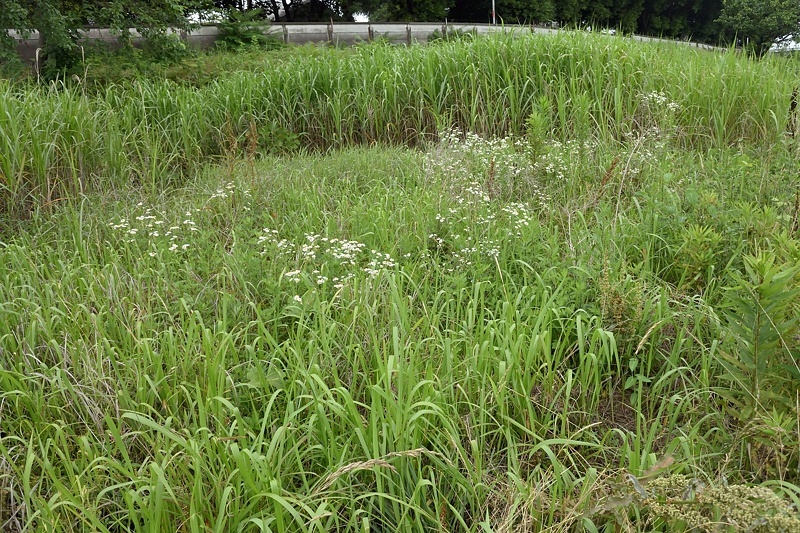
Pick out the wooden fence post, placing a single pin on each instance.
(408, 33)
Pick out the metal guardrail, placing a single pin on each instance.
(334, 33)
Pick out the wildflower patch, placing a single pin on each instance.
(323, 261)
(153, 233)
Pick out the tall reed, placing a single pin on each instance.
(56, 141)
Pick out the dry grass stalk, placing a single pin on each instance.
(382, 462)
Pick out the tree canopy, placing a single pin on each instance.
(759, 23)
(58, 22)
(296, 10)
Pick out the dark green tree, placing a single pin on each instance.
(59, 21)
(296, 10)
(690, 19)
(478, 11)
(12, 16)
(522, 11)
(508, 11)
(760, 23)
(622, 14)
(570, 12)
(407, 10)
(625, 14)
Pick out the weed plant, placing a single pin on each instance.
(240, 31)
(542, 321)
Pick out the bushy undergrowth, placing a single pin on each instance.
(507, 334)
(241, 31)
(104, 69)
(57, 142)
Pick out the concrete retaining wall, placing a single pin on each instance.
(299, 33)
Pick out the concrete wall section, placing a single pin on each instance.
(203, 37)
(26, 44)
(300, 33)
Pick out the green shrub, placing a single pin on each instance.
(245, 29)
(451, 34)
(165, 48)
(761, 357)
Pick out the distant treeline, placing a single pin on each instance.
(693, 19)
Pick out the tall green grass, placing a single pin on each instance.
(199, 360)
(57, 141)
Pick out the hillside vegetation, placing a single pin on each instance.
(502, 284)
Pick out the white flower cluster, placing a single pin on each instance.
(324, 260)
(519, 216)
(659, 100)
(488, 168)
(225, 191)
(154, 231)
(559, 160)
(480, 174)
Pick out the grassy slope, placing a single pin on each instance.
(57, 143)
(519, 326)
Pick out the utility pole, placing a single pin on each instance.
(494, 15)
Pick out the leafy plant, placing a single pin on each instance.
(59, 25)
(683, 503)
(451, 34)
(761, 322)
(687, 504)
(695, 257)
(275, 139)
(242, 29)
(163, 47)
(538, 126)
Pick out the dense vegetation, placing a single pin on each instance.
(486, 285)
(755, 24)
(56, 140)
